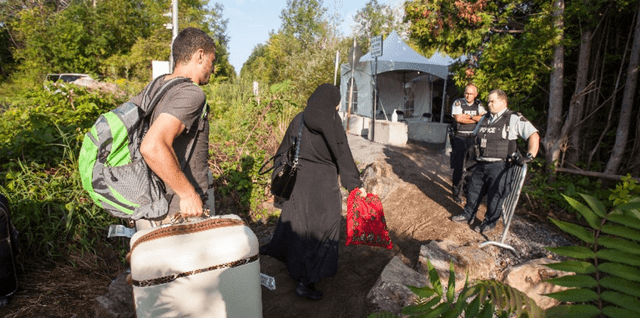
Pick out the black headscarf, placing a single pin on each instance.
(320, 115)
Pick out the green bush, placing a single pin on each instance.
(40, 138)
(245, 131)
(28, 130)
(50, 209)
(548, 194)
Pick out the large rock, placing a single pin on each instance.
(472, 259)
(390, 292)
(118, 301)
(378, 178)
(529, 279)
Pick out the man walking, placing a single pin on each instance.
(496, 137)
(466, 113)
(177, 143)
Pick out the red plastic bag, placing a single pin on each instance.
(366, 224)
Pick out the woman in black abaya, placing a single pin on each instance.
(306, 237)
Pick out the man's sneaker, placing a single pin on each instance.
(484, 228)
(461, 219)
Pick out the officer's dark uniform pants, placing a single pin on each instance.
(490, 179)
(459, 148)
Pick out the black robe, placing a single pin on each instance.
(308, 231)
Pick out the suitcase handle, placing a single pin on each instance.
(178, 218)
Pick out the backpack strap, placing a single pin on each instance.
(192, 143)
(149, 104)
(148, 108)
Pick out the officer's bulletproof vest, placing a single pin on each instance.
(472, 110)
(496, 145)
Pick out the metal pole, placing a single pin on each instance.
(353, 63)
(335, 71)
(174, 17)
(375, 100)
(444, 96)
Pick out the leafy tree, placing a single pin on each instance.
(376, 19)
(622, 132)
(506, 43)
(115, 38)
(511, 44)
(304, 21)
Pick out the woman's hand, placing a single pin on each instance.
(362, 193)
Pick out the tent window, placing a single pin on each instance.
(409, 106)
(354, 101)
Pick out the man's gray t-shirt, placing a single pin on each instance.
(187, 103)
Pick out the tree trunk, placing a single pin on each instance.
(634, 166)
(622, 132)
(551, 141)
(578, 99)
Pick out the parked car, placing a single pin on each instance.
(67, 77)
(53, 81)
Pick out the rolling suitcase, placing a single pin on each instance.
(8, 251)
(205, 268)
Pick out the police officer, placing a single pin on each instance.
(466, 112)
(496, 137)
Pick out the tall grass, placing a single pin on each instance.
(40, 139)
(50, 208)
(246, 129)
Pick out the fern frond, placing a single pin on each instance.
(588, 214)
(622, 285)
(625, 220)
(617, 312)
(575, 230)
(622, 300)
(573, 266)
(575, 295)
(580, 252)
(507, 299)
(477, 300)
(621, 231)
(596, 206)
(574, 281)
(634, 205)
(614, 284)
(619, 257)
(573, 311)
(620, 244)
(622, 271)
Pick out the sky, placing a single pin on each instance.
(250, 22)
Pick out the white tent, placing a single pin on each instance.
(407, 81)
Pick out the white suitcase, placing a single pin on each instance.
(207, 268)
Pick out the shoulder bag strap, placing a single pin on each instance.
(298, 142)
(295, 157)
(192, 143)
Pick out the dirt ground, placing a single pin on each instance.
(417, 211)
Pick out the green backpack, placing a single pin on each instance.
(111, 167)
